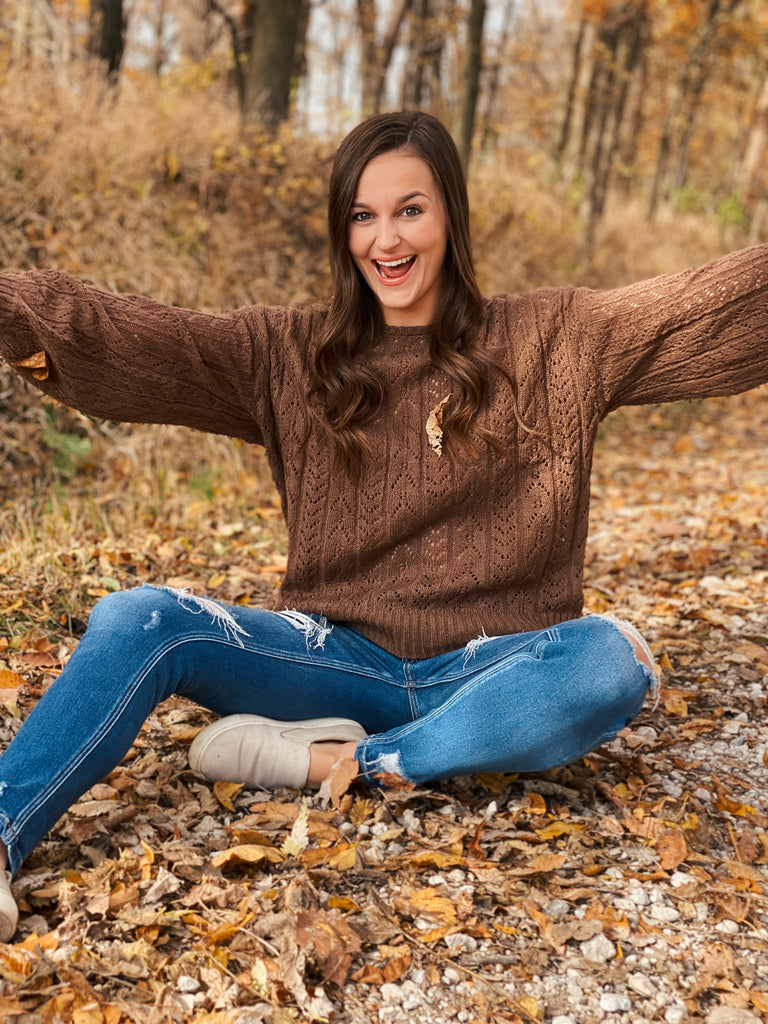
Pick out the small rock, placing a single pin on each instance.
(410, 821)
(575, 995)
(666, 914)
(412, 997)
(451, 976)
(461, 942)
(642, 985)
(563, 1018)
(557, 908)
(185, 1002)
(185, 983)
(675, 1014)
(727, 927)
(679, 878)
(598, 949)
(391, 993)
(615, 1002)
(731, 1015)
(389, 1012)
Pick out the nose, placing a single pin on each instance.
(388, 235)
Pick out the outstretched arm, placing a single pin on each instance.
(128, 358)
(696, 334)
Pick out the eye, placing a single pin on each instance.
(361, 216)
(412, 211)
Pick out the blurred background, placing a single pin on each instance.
(181, 147)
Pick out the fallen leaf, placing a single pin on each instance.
(546, 862)
(246, 854)
(225, 792)
(326, 937)
(37, 363)
(671, 849)
(298, 840)
(340, 778)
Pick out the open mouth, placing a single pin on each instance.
(394, 270)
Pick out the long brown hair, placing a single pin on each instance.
(347, 392)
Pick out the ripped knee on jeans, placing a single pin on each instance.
(643, 653)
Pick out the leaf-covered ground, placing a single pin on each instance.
(629, 887)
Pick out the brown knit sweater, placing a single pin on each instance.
(421, 555)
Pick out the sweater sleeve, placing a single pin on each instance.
(696, 334)
(127, 358)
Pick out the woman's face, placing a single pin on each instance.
(398, 237)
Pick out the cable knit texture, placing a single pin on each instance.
(422, 554)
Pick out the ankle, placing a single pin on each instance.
(322, 758)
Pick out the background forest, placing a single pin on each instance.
(181, 149)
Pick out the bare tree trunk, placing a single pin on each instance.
(494, 74)
(618, 50)
(271, 69)
(573, 89)
(107, 34)
(422, 85)
(575, 129)
(160, 56)
(633, 120)
(683, 110)
(418, 34)
(757, 145)
(377, 56)
(471, 85)
(241, 37)
(628, 47)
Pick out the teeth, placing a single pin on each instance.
(394, 263)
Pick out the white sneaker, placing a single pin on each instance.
(9, 912)
(262, 752)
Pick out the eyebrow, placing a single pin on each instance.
(403, 199)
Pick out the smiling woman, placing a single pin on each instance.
(432, 450)
(398, 238)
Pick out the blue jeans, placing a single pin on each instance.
(521, 703)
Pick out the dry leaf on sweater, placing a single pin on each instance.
(435, 426)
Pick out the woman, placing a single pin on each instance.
(432, 451)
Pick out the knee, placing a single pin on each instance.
(126, 610)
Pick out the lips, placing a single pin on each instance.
(396, 269)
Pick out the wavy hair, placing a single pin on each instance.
(345, 393)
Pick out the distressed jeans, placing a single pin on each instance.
(520, 703)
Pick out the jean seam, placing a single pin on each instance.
(412, 691)
(111, 720)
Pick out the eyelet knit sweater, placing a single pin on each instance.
(422, 554)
